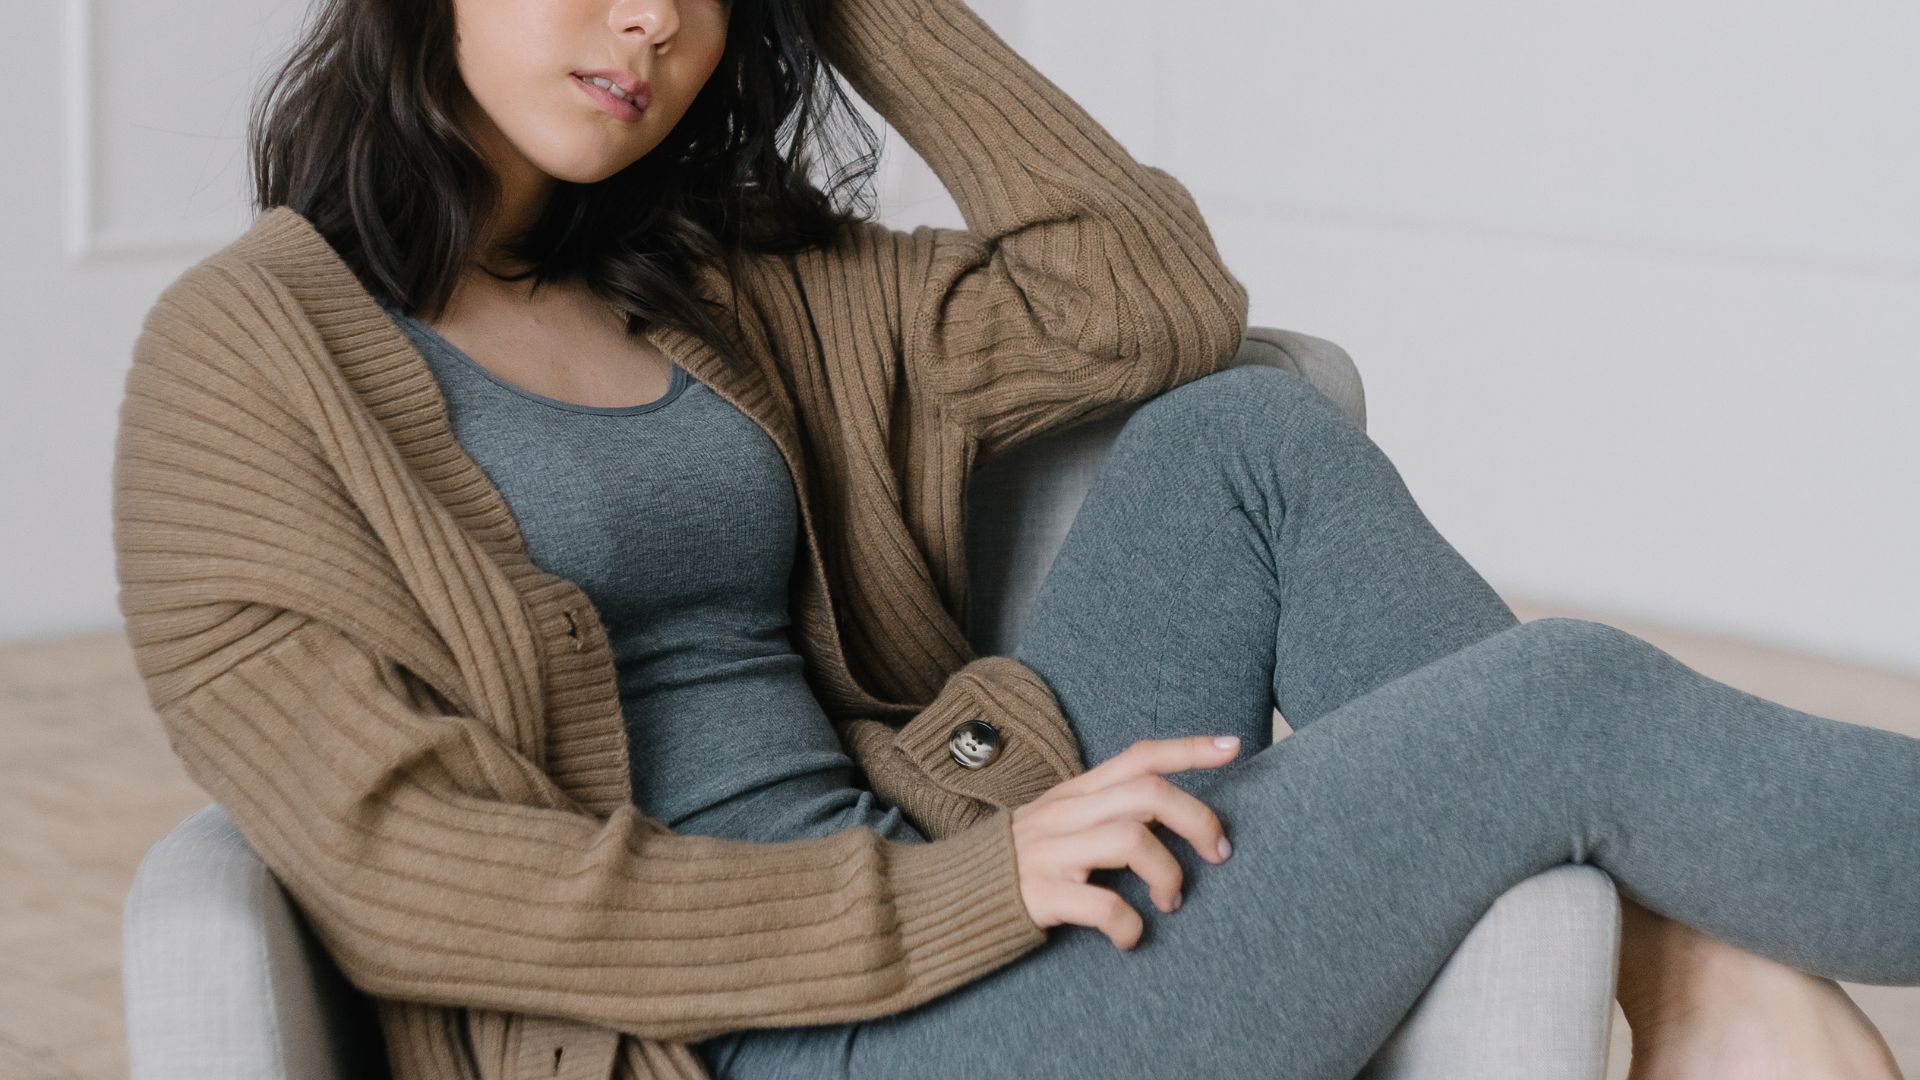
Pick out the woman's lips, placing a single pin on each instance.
(618, 108)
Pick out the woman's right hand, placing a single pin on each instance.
(1101, 818)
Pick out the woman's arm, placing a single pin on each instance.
(1083, 278)
(438, 865)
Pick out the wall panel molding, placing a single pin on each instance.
(103, 223)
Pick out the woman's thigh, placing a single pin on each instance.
(1244, 547)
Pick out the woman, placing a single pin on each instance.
(762, 840)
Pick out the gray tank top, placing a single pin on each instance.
(678, 519)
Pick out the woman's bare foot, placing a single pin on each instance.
(1813, 1031)
(1711, 1011)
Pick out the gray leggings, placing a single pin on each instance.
(1245, 546)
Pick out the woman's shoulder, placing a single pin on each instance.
(252, 291)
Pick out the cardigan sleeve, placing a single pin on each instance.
(1083, 279)
(438, 865)
(436, 860)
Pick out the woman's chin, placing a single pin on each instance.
(587, 173)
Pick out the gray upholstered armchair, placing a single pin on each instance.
(223, 979)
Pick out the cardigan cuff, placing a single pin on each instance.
(959, 907)
(1037, 749)
(935, 811)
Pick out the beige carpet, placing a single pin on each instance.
(88, 783)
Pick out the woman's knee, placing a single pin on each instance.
(1259, 390)
(1268, 409)
(1588, 651)
(1601, 676)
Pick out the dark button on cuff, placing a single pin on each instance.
(974, 743)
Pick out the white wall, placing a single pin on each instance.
(1635, 289)
(123, 165)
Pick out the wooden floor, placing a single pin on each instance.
(87, 783)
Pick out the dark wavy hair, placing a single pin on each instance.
(356, 132)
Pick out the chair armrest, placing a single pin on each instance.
(221, 976)
(1529, 992)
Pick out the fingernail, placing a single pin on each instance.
(1226, 849)
(1227, 742)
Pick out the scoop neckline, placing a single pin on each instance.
(677, 378)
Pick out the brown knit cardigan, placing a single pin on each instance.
(419, 731)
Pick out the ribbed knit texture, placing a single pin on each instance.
(420, 731)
